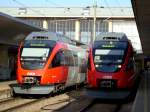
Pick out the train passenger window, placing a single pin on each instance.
(69, 58)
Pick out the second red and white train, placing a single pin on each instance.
(112, 71)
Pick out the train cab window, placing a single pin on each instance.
(56, 60)
(64, 58)
(89, 64)
(130, 65)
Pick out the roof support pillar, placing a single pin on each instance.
(45, 24)
(4, 63)
(110, 26)
(77, 30)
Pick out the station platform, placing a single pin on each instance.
(5, 90)
(142, 99)
(5, 85)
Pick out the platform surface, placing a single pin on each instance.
(142, 99)
(5, 85)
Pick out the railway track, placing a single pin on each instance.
(87, 107)
(14, 108)
(96, 106)
(6, 100)
(6, 93)
(9, 104)
(93, 106)
(73, 101)
(34, 105)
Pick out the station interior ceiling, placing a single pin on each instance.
(141, 9)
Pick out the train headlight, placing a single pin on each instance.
(30, 80)
(119, 66)
(96, 65)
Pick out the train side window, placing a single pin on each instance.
(69, 58)
(75, 59)
(63, 58)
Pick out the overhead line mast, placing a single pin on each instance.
(94, 18)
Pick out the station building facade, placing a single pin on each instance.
(77, 22)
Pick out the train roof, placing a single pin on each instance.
(43, 35)
(111, 36)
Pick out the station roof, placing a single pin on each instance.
(68, 12)
(13, 30)
(141, 10)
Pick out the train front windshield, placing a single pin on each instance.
(109, 56)
(34, 54)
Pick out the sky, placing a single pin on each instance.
(64, 3)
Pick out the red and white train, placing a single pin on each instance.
(111, 67)
(49, 62)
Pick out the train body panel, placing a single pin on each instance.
(48, 64)
(111, 66)
(122, 80)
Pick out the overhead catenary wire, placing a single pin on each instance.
(122, 11)
(53, 3)
(124, 6)
(118, 2)
(106, 3)
(23, 5)
(56, 22)
(109, 8)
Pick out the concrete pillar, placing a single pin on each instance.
(110, 26)
(77, 30)
(4, 63)
(45, 24)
